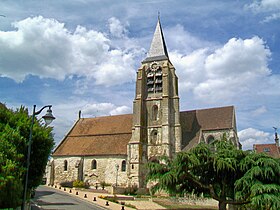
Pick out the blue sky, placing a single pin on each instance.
(83, 55)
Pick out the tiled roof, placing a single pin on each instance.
(271, 149)
(195, 121)
(97, 136)
(117, 124)
(110, 135)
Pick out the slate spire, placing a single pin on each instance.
(158, 49)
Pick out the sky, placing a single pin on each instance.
(84, 55)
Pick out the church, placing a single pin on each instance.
(115, 149)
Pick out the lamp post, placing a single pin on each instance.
(48, 117)
(117, 170)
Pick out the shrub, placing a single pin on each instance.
(67, 184)
(104, 184)
(112, 199)
(78, 184)
(131, 190)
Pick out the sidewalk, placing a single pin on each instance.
(97, 199)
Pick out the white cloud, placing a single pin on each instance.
(250, 136)
(182, 41)
(264, 5)
(247, 57)
(45, 48)
(104, 109)
(270, 7)
(272, 17)
(116, 28)
(121, 110)
(259, 111)
(225, 74)
(189, 68)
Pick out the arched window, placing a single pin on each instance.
(154, 137)
(155, 112)
(132, 166)
(210, 139)
(93, 164)
(65, 165)
(123, 165)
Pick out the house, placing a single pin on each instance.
(272, 150)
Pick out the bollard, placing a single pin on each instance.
(94, 198)
(77, 193)
(64, 189)
(70, 191)
(85, 196)
(107, 203)
(122, 208)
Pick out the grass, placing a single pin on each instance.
(176, 205)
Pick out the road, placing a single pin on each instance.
(49, 198)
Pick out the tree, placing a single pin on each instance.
(260, 182)
(228, 175)
(14, 136)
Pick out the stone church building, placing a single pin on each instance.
(115, 149)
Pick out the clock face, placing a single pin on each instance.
(154, 66)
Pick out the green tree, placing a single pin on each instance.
(260, 183)
(14, 135)
(228, 175)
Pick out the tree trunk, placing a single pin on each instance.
(222, 205)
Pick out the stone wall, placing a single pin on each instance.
(105, 171)
(217, 134)
(61, 175)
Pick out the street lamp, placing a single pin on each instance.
(48, 117)
(117, 169)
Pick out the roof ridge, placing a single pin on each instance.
(101, 134)
(219, 107)
(105, 116)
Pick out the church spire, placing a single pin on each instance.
(158, 49)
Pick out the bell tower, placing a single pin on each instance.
(156, 129)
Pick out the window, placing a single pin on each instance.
(123, 165)
(155, 112)
(153, 137)
(154, 79)
(210, 139)
(65, 165)
(132, 166)
(266, 149)
(93, 164)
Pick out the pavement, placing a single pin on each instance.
(97, 198)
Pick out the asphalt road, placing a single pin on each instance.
(49, 198)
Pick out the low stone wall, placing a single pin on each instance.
(116, 190)
(197, 201)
